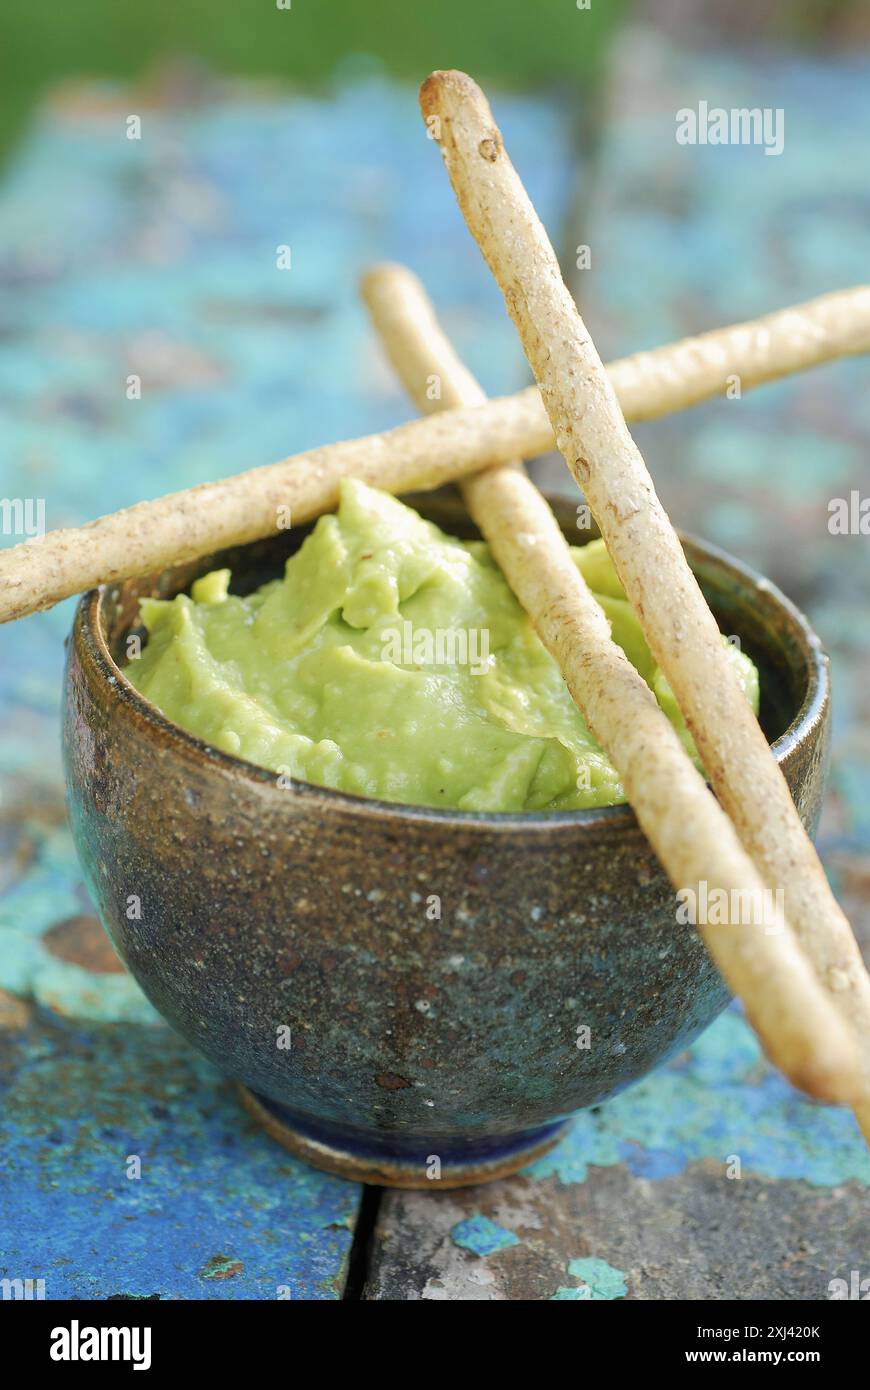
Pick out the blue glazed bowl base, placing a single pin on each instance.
(429, 1165)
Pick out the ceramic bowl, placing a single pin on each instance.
(402, 993)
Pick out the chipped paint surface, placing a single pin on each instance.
(38, 905)
(219, 1210)
(719, 1099)
(221, 1267)
(710, 1179)
(481, 1236)
(598, 1281)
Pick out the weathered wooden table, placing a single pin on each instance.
(157, 258)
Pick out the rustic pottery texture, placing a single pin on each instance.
(436, 969)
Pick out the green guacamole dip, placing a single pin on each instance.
(392, 661)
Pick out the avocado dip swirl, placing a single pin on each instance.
(393, 661)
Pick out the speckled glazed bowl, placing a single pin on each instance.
(420, 1045)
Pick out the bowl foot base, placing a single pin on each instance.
(428, 1171)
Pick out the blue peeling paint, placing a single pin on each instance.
(600, 1281)
(220, 1211)
(482, 1236)
(720, 1098)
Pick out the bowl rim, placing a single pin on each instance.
(88, 627)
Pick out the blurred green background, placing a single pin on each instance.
(521, 42)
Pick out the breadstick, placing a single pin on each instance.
(153, 535)
(649, 384)
(680, 629)
(690, 833)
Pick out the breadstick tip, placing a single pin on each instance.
(449, 93)
(444, 81)
(380, 272)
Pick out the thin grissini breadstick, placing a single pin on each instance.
(152, 535)
(679, 627)
(650, 384)
(691, 834)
